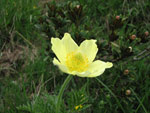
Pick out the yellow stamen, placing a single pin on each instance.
(76, 61)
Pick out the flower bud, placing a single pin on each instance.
(126, 72)
(133, 37)
(128, 92)
(146, 33)
(117, 17)
(77, 6)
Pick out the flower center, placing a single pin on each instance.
(76, 61)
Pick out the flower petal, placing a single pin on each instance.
(98, 67)
(69, 43)
(59, 49)
(62, 67)
(81, 74)
(89, 48)
(109, 64)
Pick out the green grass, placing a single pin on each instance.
(30, 83)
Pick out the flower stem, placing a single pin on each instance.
(61, 93)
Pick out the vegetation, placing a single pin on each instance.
(29, 82)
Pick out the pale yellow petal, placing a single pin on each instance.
(80, 74)
(85, 74)
(59, 49)
(89, 48)
(62, 67)
(98, 67)
(109, 64)
(69, 43)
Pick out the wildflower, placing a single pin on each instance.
(78, 60)
(78, 107)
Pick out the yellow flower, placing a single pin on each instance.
(78, 60)
(78, 107)
(81, 106)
